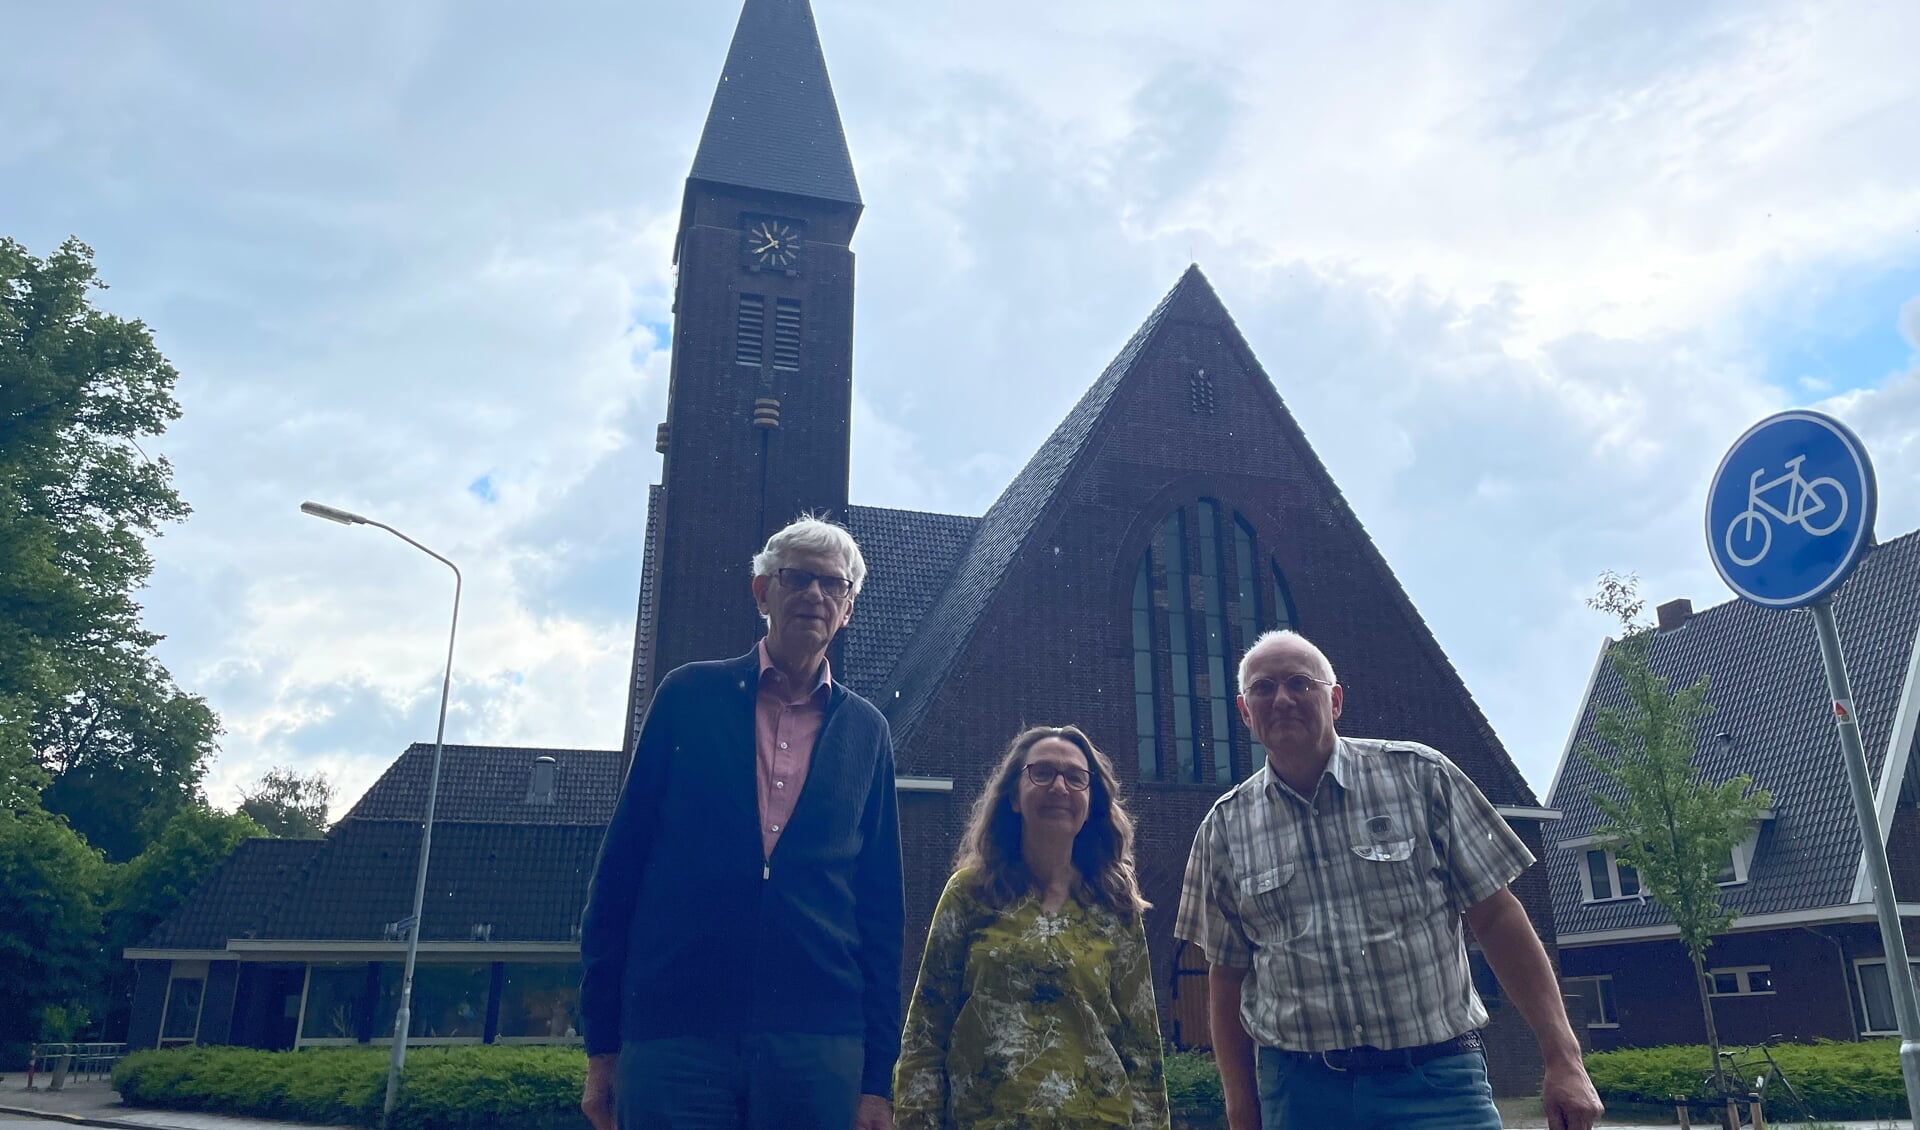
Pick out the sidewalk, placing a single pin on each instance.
(96, 1103)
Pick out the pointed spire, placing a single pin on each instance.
(774, 125)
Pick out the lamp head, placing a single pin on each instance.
(332, 514)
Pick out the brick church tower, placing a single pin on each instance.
(761, 392)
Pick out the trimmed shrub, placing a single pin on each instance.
(458, 1088)
(1193, 1082)
(1837, 1080)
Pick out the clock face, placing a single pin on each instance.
(772, 243)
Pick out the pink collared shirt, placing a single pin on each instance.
(785, 726)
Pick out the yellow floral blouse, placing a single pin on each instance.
(1029, 1020)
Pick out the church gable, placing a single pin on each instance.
(1183, 443)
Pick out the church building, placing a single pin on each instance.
(1173, 515)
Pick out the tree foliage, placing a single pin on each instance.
(50, 886)
(1660, 814)
(117, 745)
(290, 805)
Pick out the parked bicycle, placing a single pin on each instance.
(1754, 1079)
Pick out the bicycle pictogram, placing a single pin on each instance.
(1750, 534)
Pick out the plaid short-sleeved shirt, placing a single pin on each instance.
(1346, 908)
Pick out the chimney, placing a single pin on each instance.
(541, 787)
(1674, 613)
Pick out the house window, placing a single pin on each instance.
(1196, 608)
(1740, 981)
(180, 1023)
(1597, 992)
(540, 1002)
(1739, 861)
(786, 335)
(750, 330)
(1876, 995)
(331, 1010)
(449, 1002)
(1605, 877)
(1608, 878)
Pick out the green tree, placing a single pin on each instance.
(81, 696)
(143, 892)
(290, 805)
(51, 883)
(1661, 816)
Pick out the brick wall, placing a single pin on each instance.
(1655, 1001)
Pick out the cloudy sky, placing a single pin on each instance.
(1522, 271)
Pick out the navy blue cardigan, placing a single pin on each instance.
(690, 930)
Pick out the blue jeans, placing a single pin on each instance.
(1300, 1092)
(762, 1081)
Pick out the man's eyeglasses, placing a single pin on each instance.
(799, 580)
(1299, 686)
(1044, 776)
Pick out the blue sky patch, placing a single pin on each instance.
(483, 489)
(1842, 335)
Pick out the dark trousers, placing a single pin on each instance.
(1300, 1092)
(764, 1081)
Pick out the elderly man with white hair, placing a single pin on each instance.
(741, 943)
(1328, 891)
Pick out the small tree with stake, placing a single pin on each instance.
(1662, 817)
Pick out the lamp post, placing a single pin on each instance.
(403, 1018)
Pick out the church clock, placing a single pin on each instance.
(770, 243)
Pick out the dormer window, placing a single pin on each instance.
(1606, 878)
(1603, 878)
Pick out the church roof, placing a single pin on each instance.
(774, 124)
(946, 630)
(910, 556)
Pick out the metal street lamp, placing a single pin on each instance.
(403, 1019)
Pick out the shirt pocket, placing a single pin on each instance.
(1394, 886)
(1275, 906)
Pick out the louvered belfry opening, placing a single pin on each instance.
(750, 330)
(786, 335)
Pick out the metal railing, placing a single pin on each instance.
(62, 1063)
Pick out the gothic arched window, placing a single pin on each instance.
(1196, 608)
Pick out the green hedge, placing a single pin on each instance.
(1837, 1080)
(462, 1088)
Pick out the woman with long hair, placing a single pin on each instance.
(1035, 1006)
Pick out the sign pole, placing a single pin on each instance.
(1893, 940)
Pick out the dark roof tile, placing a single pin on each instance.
(488, 784)
(527, 881)
(909, 555)
(236, 898)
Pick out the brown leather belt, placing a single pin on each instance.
(1372, 1061)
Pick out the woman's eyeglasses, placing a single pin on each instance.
(1044, 776)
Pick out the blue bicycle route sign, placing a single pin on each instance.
(1791, 509)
